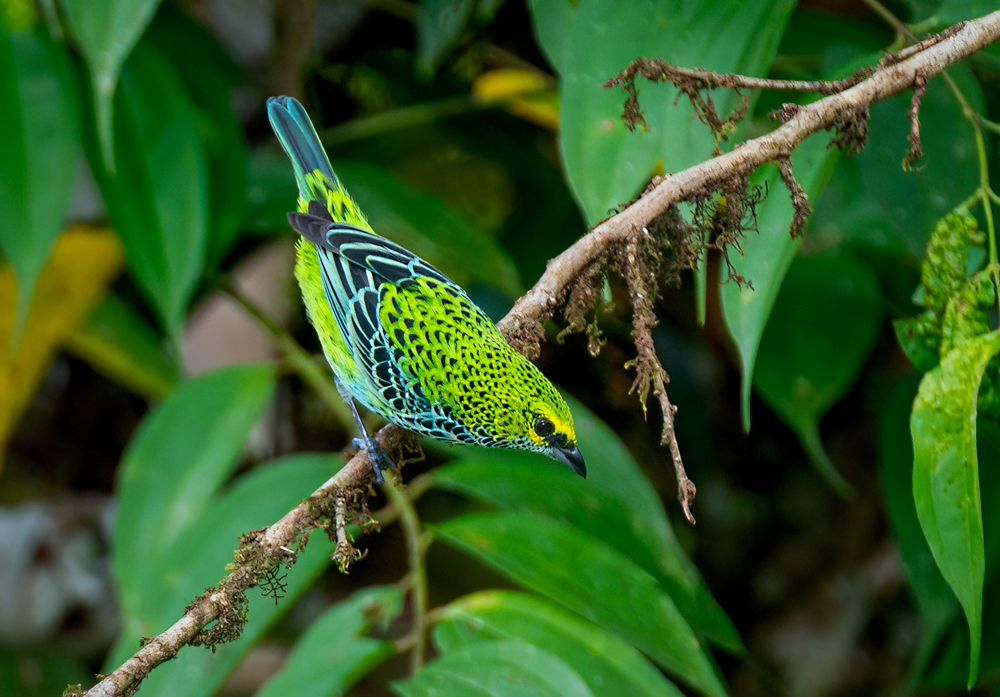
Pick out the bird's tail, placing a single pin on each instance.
(313, 172)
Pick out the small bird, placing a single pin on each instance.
(402, 338)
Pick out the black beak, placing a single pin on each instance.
(572, 458)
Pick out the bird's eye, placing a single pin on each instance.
(544, 427)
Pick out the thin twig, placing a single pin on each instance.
(889, 18)
(656, 69)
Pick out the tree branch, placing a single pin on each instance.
(523, 324)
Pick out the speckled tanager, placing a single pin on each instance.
(402, 338)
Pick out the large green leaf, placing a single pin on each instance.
(935, 599)
(946, 475)
(767, 255)
(949, 667)
(198, 558)
(823, 326)
(591, 578)
(335, 653)
(592, 40)
(988, 436)
(209, 75)
(106, 31)
(606, 663)
(174, 464)
(38, 117)
(615, 504)
(497, 669)
(157, 195)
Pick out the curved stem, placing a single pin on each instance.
(984, 183)
(415, 539)
(900, 27)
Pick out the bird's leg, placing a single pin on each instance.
(380, 460)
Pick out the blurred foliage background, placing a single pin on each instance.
(147, 418)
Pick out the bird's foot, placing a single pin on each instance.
(379, 459)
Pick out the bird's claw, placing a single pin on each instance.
(378, 457)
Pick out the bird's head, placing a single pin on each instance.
(549, 426)
(513, 405)
(531, 413)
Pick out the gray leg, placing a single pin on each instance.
(380, 460)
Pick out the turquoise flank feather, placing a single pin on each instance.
(401, 337)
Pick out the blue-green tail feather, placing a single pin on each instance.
(299, 139)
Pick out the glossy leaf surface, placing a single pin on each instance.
(606, 663)
(823, 326)
(106, 32)
(334, 653)
(41, 147)
(590, 578)
(157, 195)
(946, 475)
(591, 41)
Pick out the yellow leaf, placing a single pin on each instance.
(83, 262)
(525, 93)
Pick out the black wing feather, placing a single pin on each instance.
(366, 250)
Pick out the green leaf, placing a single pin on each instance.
(950, 668)
(909, 204)
(767, 255)
(988, 436)
(209, 74)
(119, 343)
(197, 559)
(40, 672)
(180, 455)
(946, 475)
(591, 578)
(935, 599)
(603, 660)
(497, 669)
(428, 227)
(822, 328)
(334, 653)
(157, 196)
(106, 31)
(615, 504)
(948, 280)
(593, 40)
(953, 11)
(441, 24)
(922, 356)
(38, 117)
